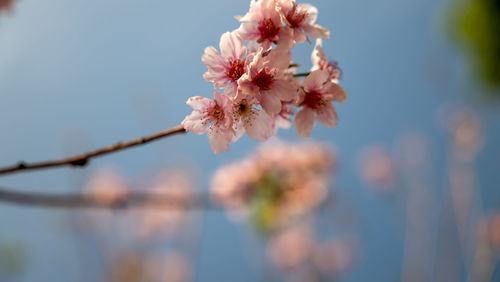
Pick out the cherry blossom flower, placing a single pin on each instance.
(320, 62)
(263, 24)
(301, 18)
(315, 97)
(283, 119)
(227, 67)
(265, 80)
(258, 79)
(248, 118)
(214, 117)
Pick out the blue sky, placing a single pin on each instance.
(75, 75)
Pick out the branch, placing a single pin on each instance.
(125, 201)
(301, 74)
(82, 160)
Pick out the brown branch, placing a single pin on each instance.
(124, 201)
(82, 160)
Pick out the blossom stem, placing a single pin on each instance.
(302, 74)
(293, 65)
(89, 201)
(83, 159)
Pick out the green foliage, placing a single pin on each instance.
(477, 28)
(264, 204)
(11, 260)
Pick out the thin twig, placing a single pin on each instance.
(301, 74)
(82, 160)
(127, 200)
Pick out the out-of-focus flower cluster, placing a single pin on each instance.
(277, 183)
(260, 88)
(377, 168)
(156, 217)
(6, 5)
(298, 252)
(155, 238)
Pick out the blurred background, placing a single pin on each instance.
(414, 191)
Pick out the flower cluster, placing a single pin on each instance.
(6, 5)
(299, 248)
(161, 218)
(278, 182)
(255, 83)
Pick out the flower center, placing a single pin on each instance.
(236, 70)
(216, 114)
(313, 100)
(243, 108)
(268, 30)
(295, 18)
(263, 80)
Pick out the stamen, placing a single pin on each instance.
(236, 70)
(268, 30)
(263, 80)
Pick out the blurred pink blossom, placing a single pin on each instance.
(6, 5)
(166, 218)
(291, 248)
(333, 257)
(106, 186)
(377, 168)
(294, 178)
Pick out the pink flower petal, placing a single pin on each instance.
(315, 80)
(317, 31)
(286, 38)
(269, 102)
(231, 46)
(318, 55)
(312, 13)
(213, 59)
(198, 102)
(248, 32)
(239, 130)
(299, 36)
(260, 126)
(335, 92)
(285, 90)
(194, 123)
(279, 58)
(327, 115)
(218, 140)
(304, 122)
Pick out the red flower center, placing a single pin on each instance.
(263, 80)
(236, 70)
(268, 30)
(313, 100)
(215, 115)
